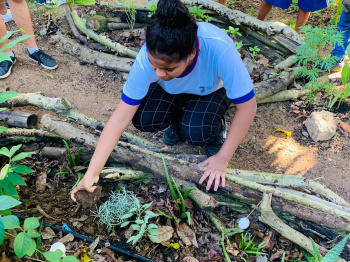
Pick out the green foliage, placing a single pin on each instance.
(56, 257)
(130, 12)
(152, 8)
(344, 93)
(294, 6)
(10, 172)
(312, 58)
(248, 246)
(74, 161)
(111, 212)
(332, 254)
(11, 44)
(254, 52)
(141, 224)
(177, 195)
(199, 13)
(231, 31)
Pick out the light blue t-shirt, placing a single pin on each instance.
(216, 65)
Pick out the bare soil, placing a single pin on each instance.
(95, 92)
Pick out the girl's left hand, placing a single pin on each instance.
(216, 170)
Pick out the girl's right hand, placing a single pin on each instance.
(87, 183)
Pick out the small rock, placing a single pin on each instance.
(304, 133)
(261, 259)
(321, 126)
(43, 32)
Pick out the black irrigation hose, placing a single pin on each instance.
(88, 239)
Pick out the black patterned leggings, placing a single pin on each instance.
(199, 117)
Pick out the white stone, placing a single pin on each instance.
(321, 126)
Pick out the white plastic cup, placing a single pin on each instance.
(60, 246)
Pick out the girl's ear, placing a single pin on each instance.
(192, 54)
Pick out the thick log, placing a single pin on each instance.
(27, 133)
(19, 119)
(272, 86)
(149, 161)
(16, 140)
(102, 39)
(86, 55)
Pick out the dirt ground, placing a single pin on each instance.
(96, 92)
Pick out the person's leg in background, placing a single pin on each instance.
(4, 12)
(264, 10)
(302, 18)
(223, 2)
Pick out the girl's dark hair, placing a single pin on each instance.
(172, 31)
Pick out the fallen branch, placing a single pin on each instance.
(268, 217)
(16, 140)
(284, 95)
(72, 26)
(27, 132)
(63, 108)
(102, 39)
(236, 17)
(86, 55)
(272, 86)
(19, 119)
(289, 181)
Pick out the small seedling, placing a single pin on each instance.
(176, 195)
(199, 13)
(141, 224)
(248, 246)
(254, 52)
(74, 162)
(152, 8)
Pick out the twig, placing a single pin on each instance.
(44, 213)
(73, 27)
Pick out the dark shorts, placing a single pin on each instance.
(305, 5)
(199, 117)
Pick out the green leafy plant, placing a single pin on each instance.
(4, 96)
(199, 13)
(141, 224)
(9, 176)
(344, 93)
(11, 44)
(231, 31)
(312, 58)
(332, 254)
(152, 8)
(111, 212)
(254, 52)
(130, 12)
(248, 246)
(177, 195)
(294, 6)
(74, 162)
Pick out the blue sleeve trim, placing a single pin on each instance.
(244, 98)
(131, 101)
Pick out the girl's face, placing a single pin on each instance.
(169, 70)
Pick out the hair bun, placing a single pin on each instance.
(172, 13)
